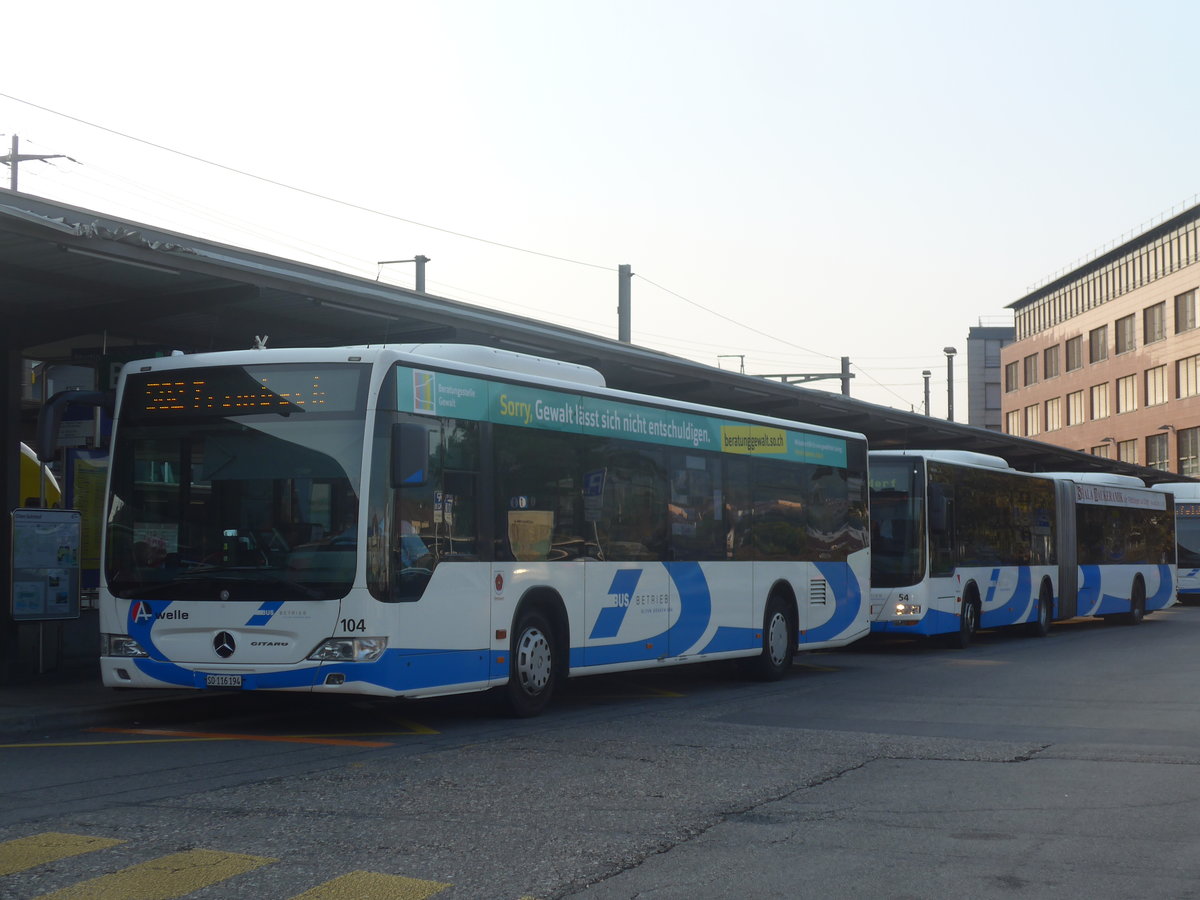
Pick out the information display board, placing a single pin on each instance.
(45, 564)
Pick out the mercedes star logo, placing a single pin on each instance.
(224, 644)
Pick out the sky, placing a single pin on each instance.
(791, 182)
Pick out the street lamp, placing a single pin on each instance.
(950, 352)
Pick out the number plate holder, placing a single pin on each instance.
(223, 681)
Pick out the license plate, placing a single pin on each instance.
(224, 681)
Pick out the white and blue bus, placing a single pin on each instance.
(422, 520)
(1187, 536)
(962, 541)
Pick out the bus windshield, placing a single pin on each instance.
(1188, 537)
(897, 522)
(237, 483)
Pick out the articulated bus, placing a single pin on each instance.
(1187, 535)
(422, 520)
(962, 541)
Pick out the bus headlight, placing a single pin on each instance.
(121, 645)
(908, 609)
(364, 649)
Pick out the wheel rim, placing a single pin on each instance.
(534, 663)
(777, 639)
(969, 623)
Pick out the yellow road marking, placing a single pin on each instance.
(270, 738)
(37, 849)
(373, 886)
(31, 746)
(174, 875)
(183, 737)
(975, 662)
(411, 727)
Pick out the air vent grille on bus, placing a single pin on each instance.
(818, 590)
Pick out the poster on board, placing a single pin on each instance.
(45, 564)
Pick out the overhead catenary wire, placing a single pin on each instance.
(360, 266)
(316, 194)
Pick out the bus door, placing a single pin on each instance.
(1068, 557)
(700, 602)
(624, 544)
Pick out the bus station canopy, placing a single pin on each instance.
(78, 286)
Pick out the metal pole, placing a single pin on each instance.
(925, 374)
(420, 261)
(949, 351)
(846, 376)
(624, 290)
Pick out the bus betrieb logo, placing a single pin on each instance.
(140, 612)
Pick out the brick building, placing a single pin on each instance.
(1107, 357)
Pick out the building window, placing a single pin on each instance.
(1075, 353)
(1156, 452)
(1012, 422)
(1100, 401)
(1189, 452)
(1126, 334)
(1054, 414)
(1098, 344)
(1156, 385)
(1185, 377)
(1185, 311)
(1031, 369)
(991, 396)
(1050, 362)
(1102, 450)
(1127, 451)
(1127, 394)
(1010, 377)
(1075, 408)
(1033, 420)
(1154, 323)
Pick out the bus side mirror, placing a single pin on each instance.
(410, 454)
(938, 509)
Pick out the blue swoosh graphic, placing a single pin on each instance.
(849, 603)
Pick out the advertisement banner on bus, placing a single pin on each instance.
(441, 394)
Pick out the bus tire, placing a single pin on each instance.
(778, 642)
(1137, 603)
(533, 666)
(1040, 626)
(968, 622)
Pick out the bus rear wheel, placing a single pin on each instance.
(779, 643)
(532, 667)
(1040, 626)
(1137, 604)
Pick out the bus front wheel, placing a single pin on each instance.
(532, 667)
(968, 623)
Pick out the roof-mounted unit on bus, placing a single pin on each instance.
(1110, 478)
(508, 361)
(1183, 490)
(960, 457)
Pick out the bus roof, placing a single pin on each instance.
(472, 360)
